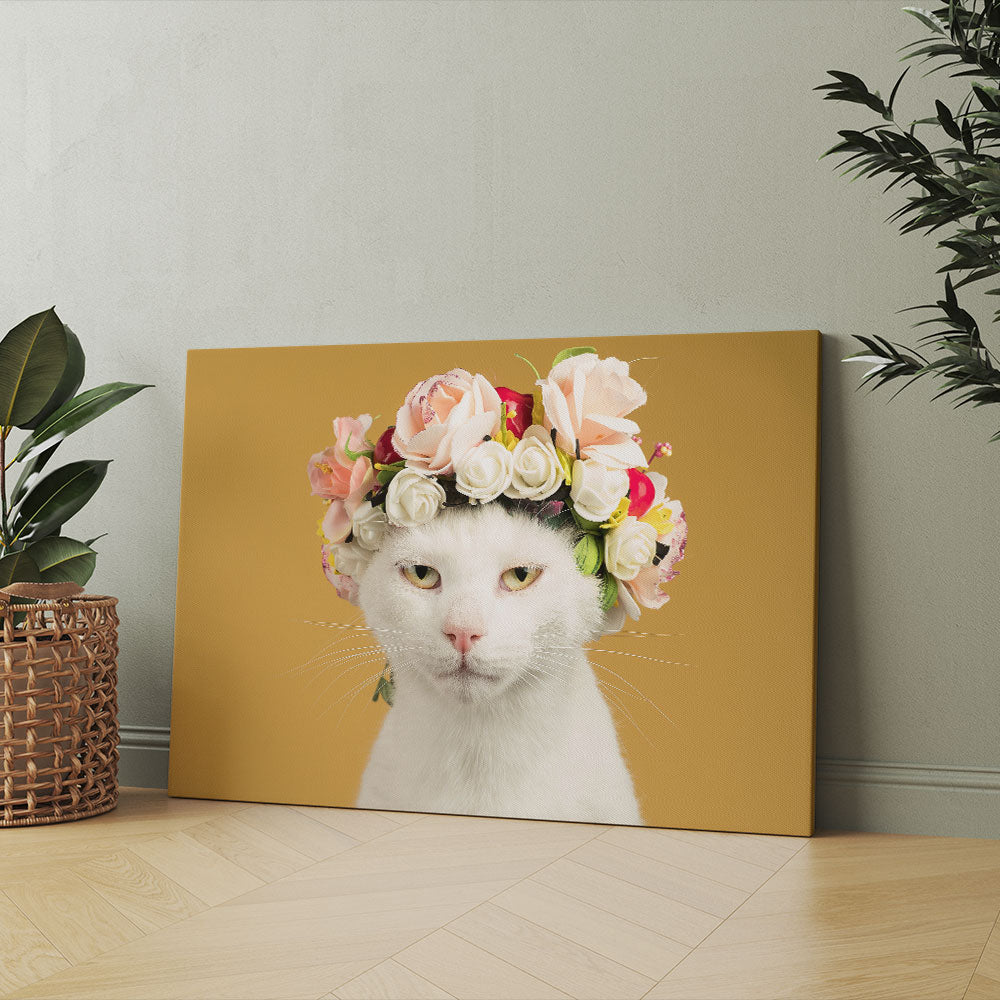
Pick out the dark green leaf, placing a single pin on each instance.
(69, 383)
(947, 121)
(18, 567)
(609, 591)
(32, 360)
(60, 559)
(59, 496)
(30, 472)
(73, 415)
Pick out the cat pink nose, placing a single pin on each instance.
(461, 638)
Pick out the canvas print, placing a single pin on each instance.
(492, 617)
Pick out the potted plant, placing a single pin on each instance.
(948, 164)
(58, 658)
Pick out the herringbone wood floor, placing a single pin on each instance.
(172, 898)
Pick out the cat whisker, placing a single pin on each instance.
(354, 690)
(624, 711)
(301, 666)
(354, 666)
(636, 656)
(651, 635)
(639, 694)
(376, 630)
(320, 664)
(325, 658)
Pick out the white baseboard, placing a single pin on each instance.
(931, 799)
(145, 751)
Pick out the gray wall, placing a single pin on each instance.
(181, 175)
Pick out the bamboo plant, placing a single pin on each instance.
(41, 369)
(949, 167)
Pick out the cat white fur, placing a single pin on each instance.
(521, 729)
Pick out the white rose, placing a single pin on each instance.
(596, 489)
(485, 472)
(350, 559)
(413, 498)
(629, 547)
(368, 525)
(537, 472)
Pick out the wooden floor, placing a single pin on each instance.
(173, 898)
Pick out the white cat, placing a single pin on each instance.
(483, 614)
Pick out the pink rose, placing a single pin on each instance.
(519, 407)
(585, 399)
(644, 588)
(333, 473)
(337, 521)
(346, 586)
(443, 418)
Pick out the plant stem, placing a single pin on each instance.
(4, 532)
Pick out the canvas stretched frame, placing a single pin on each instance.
(254, 719)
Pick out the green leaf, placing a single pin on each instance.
(18, 567)
(32, 361)
(73, 415)
(30, 472)
(385, 475)
(68, 385)
(96, 538)
(386, 687)
(60, 559)
(947, 120)
(593, 527)
(572, 352)
(59, 496)
(609, 591)
(355, 455)
(588, 555)
(927, 18)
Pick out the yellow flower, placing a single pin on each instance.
(566, 461)
(506, 438)
(617, 515)
(659, 518)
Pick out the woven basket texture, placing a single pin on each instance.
(58, 710)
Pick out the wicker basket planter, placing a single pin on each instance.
(58, 705)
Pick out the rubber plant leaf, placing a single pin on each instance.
(30, 473)
(59, 496)
(60, 559)
(74, 414)
(69, 384)
(32, 360)
(18, 567)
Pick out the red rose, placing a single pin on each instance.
(641, 493)
(519, 407)
(385, 454)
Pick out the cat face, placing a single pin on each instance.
(478, 600)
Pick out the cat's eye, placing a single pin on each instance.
(424, 577)
(519, 577)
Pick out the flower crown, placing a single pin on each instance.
(567, 454)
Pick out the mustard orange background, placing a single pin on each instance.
(259, 711)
